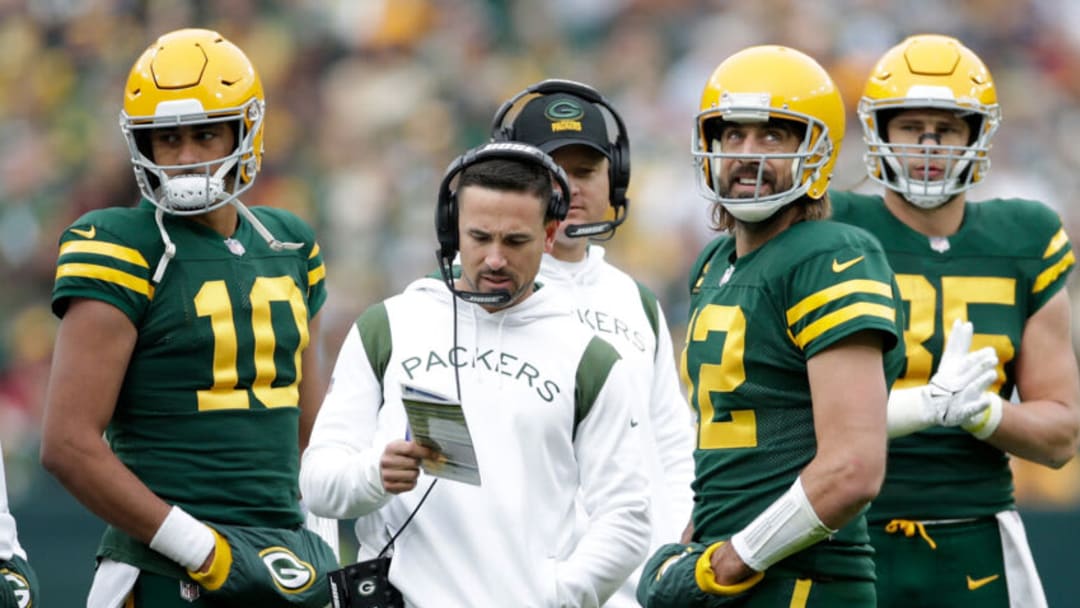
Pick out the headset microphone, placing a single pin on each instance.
(499, 297)
(606, 228)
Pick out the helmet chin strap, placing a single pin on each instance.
(170, 247)
(218, 192)
(263, 231)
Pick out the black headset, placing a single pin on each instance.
(618, 151)
(446, 209)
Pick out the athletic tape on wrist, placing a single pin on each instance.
(183, 539)
(988, 421)
(787, 526)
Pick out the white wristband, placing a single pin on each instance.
(183, 539)
(984, 425)
(787, 526)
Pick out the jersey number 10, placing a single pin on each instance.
(213, 301)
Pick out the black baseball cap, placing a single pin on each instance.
(553, 121)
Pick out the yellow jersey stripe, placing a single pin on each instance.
(838, 317)
(316, 274)
(104, 273)
(314, 252)
(817, 300)
(111, 250)
(1049, 275)
(1056, 243)
(801, 594)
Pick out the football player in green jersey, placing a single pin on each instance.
(945, 528)
(793, 340)
(188, 338)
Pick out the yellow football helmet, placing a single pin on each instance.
(761, 83)
(191, 77)
(938, 72)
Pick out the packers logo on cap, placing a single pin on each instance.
(290, 573)
(565, 115)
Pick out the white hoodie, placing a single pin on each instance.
(612, 304)
(514, 540)
(9, 537)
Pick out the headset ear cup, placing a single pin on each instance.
(452, 222)
(446, 224)
(561, 192)
(620, 169)
(559, 206)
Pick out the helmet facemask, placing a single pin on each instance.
(187, 78)
(929, 72)
(198, 187)
(892, 164)
(806, 162)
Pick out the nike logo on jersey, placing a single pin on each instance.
(86, 234)
(633, 423)
(838, 266)
(974, 584)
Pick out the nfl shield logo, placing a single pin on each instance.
(235, 246)
(189, 591)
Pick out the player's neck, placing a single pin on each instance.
(940, 221)
(222, 220)
(749, 237)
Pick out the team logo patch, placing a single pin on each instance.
(290, 573)
(368, 586)
(19, 587)
(189, 591)
(564, 109)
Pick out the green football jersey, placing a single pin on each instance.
(1006, 261)
(207, 416)
(755, 321)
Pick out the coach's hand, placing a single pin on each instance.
(400, 465)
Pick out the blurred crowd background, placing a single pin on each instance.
(368, 100)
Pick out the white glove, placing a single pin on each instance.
(956, 394)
